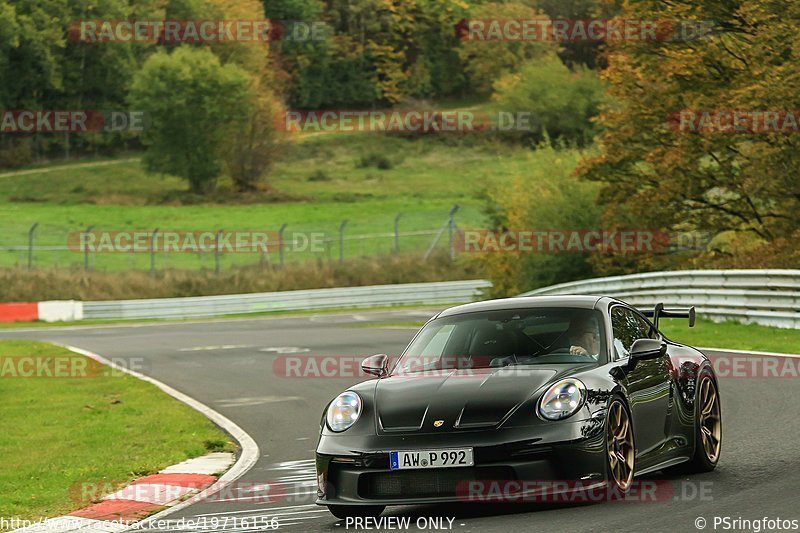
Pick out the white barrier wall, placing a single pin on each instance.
(767, 297)
(58, 311)
(444, 293)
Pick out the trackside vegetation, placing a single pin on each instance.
(69, 420)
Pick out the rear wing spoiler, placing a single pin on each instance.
(678, 312)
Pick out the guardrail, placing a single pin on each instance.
(448, 292)
(767, 297)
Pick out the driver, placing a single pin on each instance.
(584, 337)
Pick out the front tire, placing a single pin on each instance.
(343, 512)
(620, 449)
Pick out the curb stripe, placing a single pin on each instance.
(211, 464)
(110, 515)
(118, 510)
(19, 312)
(249, 449)
(50, 311)
(160, 495)
(192, 481)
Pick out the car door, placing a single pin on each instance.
(647, 380)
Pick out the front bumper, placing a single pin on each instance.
(354, 470)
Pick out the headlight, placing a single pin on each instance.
(562, 399)
(343, 411)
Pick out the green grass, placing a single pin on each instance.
(391, 325)
(320, 182)
(733, 335)
(103, 429)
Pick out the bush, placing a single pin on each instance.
(376, 160)
(548, 197)
(16, 154)
(564, 102)
(319, 175)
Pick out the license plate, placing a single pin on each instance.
(448, 458)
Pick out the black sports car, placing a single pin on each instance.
(580, 390)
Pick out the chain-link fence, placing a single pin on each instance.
(96, 247)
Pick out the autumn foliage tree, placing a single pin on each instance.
(742, 187)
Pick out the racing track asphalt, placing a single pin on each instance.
(228, 365)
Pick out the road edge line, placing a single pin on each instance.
(246, 461)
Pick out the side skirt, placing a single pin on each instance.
(660, 466)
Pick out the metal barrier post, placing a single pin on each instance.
(397, 233)
(216, 253)
(30, 245)
(341, 241)
(86, 251)
(153, 252)
(451, 230)
(280, 244)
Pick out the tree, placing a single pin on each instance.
(581, 52)
(546, 197)
(193, 103)
(376, 52)
(487, 61)
(658, 173)
(564, 102)
(252, 149)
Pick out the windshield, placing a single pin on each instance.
(509, 337)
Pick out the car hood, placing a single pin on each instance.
(460, 399)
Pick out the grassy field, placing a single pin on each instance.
(734, 336)
(322, 180)
(103, 429)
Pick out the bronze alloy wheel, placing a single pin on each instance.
(710, 420)
(620, 446)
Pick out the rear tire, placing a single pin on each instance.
(707, 425)
(343, 512)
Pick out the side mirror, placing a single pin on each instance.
(647, 349)
(377, 365)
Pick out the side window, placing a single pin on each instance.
(629, 326)
(623, 322)
(646, 331)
